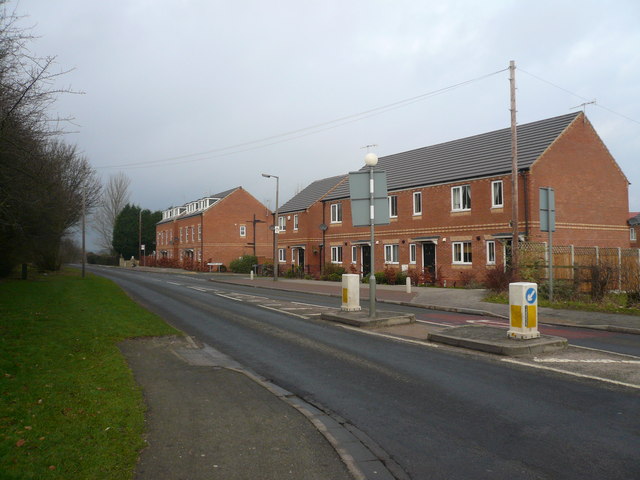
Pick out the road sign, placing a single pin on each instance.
(359, 189)
(547, 210)
(531, 296)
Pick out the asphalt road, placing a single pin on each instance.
(436, 412)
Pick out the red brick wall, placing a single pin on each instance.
(590, 189)
(221, 240)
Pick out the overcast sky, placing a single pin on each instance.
(197, 96)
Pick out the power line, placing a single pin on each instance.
(579, 96)
(298, 133)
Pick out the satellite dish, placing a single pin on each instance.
(323, 227)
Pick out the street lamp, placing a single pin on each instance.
(275, 228)
(371, 160)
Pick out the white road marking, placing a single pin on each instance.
(174, 283)
(586, 360)
(229, 297)
(392, 337)
(281, 311)
(605, 351)
(200, 289)
(565, 372)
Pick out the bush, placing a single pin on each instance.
(498, 278)
(332, 269)
(243, 264)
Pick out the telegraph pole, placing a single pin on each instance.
(84, 215)
(514, 168)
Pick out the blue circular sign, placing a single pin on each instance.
(531, 295)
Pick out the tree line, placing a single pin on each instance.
(47, 184)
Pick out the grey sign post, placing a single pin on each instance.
(548, 224)
(369, 207)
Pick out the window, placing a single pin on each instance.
(336, 254)
(391, 254)
(180, 233)
(412, 253)
(462, 252)
(282, 255)
(417, 203)
(295, 222)
(496, 194)
(393, 206)
(461, 198)
(354, 254)
(632, 234)
(336, 212)
(282, 223)
(193, 234)
(491, 252)
(200, 232)
(243, 230)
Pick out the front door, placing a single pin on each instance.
(429, 260)
(366, 260)
(301, 257)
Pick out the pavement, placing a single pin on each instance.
(211, 418)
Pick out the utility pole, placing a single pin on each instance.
(84, 208)
(140, 236)
(514, 168)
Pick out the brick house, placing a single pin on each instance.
(303, 224)
(215, 229)
(450, 204)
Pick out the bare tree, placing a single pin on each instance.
(115, 195)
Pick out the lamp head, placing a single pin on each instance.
(371, 159)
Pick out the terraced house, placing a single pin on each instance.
(450, 204)
(215, 229)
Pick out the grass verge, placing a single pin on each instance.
(613, 303)
(69, 406)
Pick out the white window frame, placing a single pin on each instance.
(632, 234)
(186, 234)
(391, 254)
(497, 187)
(460, 253)
(459, 204)
(336, 254)
(243, 230)
(393, 206)
(295, 222)
(199, 232)
(491, 252)
(417, 203)
(282, 223)
(282, 255)
(336, 212)
(354, 254)
(181, 234)
(293, 256)
(413, 253)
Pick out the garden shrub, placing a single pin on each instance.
(244, 264)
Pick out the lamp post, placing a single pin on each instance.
(275, 228)
(371, 160)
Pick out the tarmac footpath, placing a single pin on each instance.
(208, 418)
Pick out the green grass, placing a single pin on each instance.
(69, 407)
(612, 303)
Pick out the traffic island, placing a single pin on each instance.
(362, 319)
(494, 340)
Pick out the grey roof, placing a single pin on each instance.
(217, 196)
(634, 220)
(481, 155)
(311, 194)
